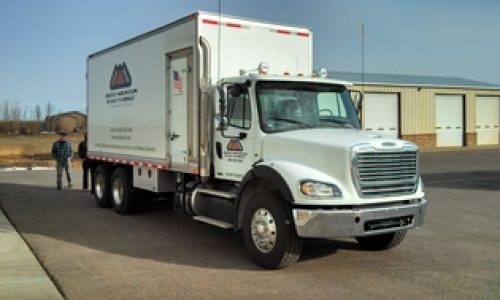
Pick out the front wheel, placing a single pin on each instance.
(269, 233)
(383, 241)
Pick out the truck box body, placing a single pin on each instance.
(143, 93)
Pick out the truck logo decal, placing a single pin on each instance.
(121, 77)
(234, 145)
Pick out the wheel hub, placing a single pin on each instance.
(263, 227)
(117, 191)
(99, 186)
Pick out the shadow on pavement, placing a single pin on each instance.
(469, 180)
(157, 233)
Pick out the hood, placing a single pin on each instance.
(332, 138)
(324, 149)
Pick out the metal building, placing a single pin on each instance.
(432, 111)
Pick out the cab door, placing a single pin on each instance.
(235, 149)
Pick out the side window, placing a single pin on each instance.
(238, 109)
(331, 105)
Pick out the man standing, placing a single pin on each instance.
(86, 164)
(62, 153)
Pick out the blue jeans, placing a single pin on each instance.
(66, 166)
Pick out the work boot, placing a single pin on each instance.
(70, 185)
(58, 187)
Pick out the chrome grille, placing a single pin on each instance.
(386, 173)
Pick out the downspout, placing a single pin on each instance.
(205, 119)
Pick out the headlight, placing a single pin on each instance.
(318, 189)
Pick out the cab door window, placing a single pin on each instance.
(238, 107)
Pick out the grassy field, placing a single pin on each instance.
(32, 150)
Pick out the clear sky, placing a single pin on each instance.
(44, 44)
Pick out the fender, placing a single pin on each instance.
(264, 173)
(285, 175)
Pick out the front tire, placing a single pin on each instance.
(383, 241)
(121, 192)
(269, 233)
(101, 186)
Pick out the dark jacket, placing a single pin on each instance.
(82, 150)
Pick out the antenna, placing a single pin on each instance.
(362, 56)
(219, 42)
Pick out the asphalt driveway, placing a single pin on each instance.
(94, 253)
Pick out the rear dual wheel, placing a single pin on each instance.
(122, 195)
(114, 189)
(101, 182)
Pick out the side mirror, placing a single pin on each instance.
(358, 101)
(236, 90)
(222, 109)
(225, 91)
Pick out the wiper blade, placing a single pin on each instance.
(337, 122)
(291, 121)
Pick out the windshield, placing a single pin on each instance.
(285, 105)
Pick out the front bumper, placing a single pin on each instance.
(357, 222)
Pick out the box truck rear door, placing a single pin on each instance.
(180, 93)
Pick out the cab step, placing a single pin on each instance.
(214, 222)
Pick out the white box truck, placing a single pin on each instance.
(226, 115)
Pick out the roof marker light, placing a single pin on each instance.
(263, 68)
(323, 73)
(282, 31)
(211, 22)
(233, 25)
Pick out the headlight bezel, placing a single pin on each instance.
(318, 189)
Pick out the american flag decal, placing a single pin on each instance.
(177, 82)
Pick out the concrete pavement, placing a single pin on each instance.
(94, 253)
(21, 276)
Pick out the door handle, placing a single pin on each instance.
(218, 149)
(173, 136)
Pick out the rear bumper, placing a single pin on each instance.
(336, 223)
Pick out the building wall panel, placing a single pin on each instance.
(418, 109)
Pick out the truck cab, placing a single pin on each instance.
(295, 146)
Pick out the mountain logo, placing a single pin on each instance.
(234, 145)
(121, 77)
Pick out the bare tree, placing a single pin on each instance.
(49, 109)
(38, 112)
(15, 111)
(24, 115)
(6, 110)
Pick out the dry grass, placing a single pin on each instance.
(32, 150)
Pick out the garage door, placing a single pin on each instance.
(382, 113)
(449, 120)
(487, 116)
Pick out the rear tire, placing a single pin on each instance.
(269, 232)
(121, 192)
(383, 241)
(101, 183)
